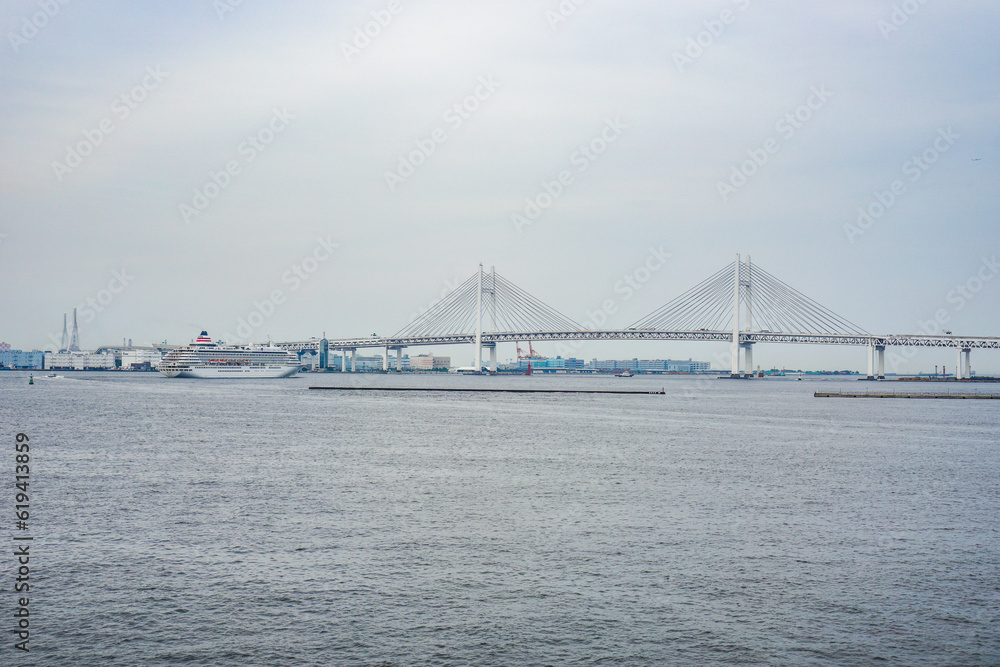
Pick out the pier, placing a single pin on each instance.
(882, 394)
(497, 390)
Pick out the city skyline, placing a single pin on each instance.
(339, 168)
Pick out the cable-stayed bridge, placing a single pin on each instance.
(741, 304)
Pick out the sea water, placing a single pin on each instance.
(258, 522)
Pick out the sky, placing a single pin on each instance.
(287, 170)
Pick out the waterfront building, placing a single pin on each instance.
(550, 364)
(79, 361)
(689, 366)
(428, 362)
(18, 359)
(310, 359)
(141, 358)
(649, 365)
(372, 363)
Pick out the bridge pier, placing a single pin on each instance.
(343, 361)
(747, 359)
(399, 359)
(880, 351)
(354, 360)
(493, 356)
(963, 369)
(870, 352)
(385, 360)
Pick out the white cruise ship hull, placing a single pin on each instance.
(214, 372)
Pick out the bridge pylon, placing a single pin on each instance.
(742, 288)
(486, 296)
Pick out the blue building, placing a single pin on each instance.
(18, 359)
(551, 365)
(649, 365)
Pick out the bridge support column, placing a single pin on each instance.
(343, 361)
(880, 351)
(385, 360)
(963, 369)
(747, 359)
(354, 360)
(871, 361)
(399, 360)
(493, 356)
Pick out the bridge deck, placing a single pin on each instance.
(946, 341)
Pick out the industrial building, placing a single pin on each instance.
(428, 362)
(79, 361)
(650, 365)
(571, 365)
(20, 360)
(140, 359)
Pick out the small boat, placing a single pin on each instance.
(51, 375)
(624, 374)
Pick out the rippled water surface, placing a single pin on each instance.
(195, 522)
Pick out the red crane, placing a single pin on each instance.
(531, 355)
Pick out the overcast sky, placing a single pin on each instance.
(338, 166)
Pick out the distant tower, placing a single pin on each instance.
(64, 343)
(74, 341)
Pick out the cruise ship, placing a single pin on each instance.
(206, 359)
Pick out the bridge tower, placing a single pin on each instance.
(487, 288)
(479, 322)
(742, 282)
